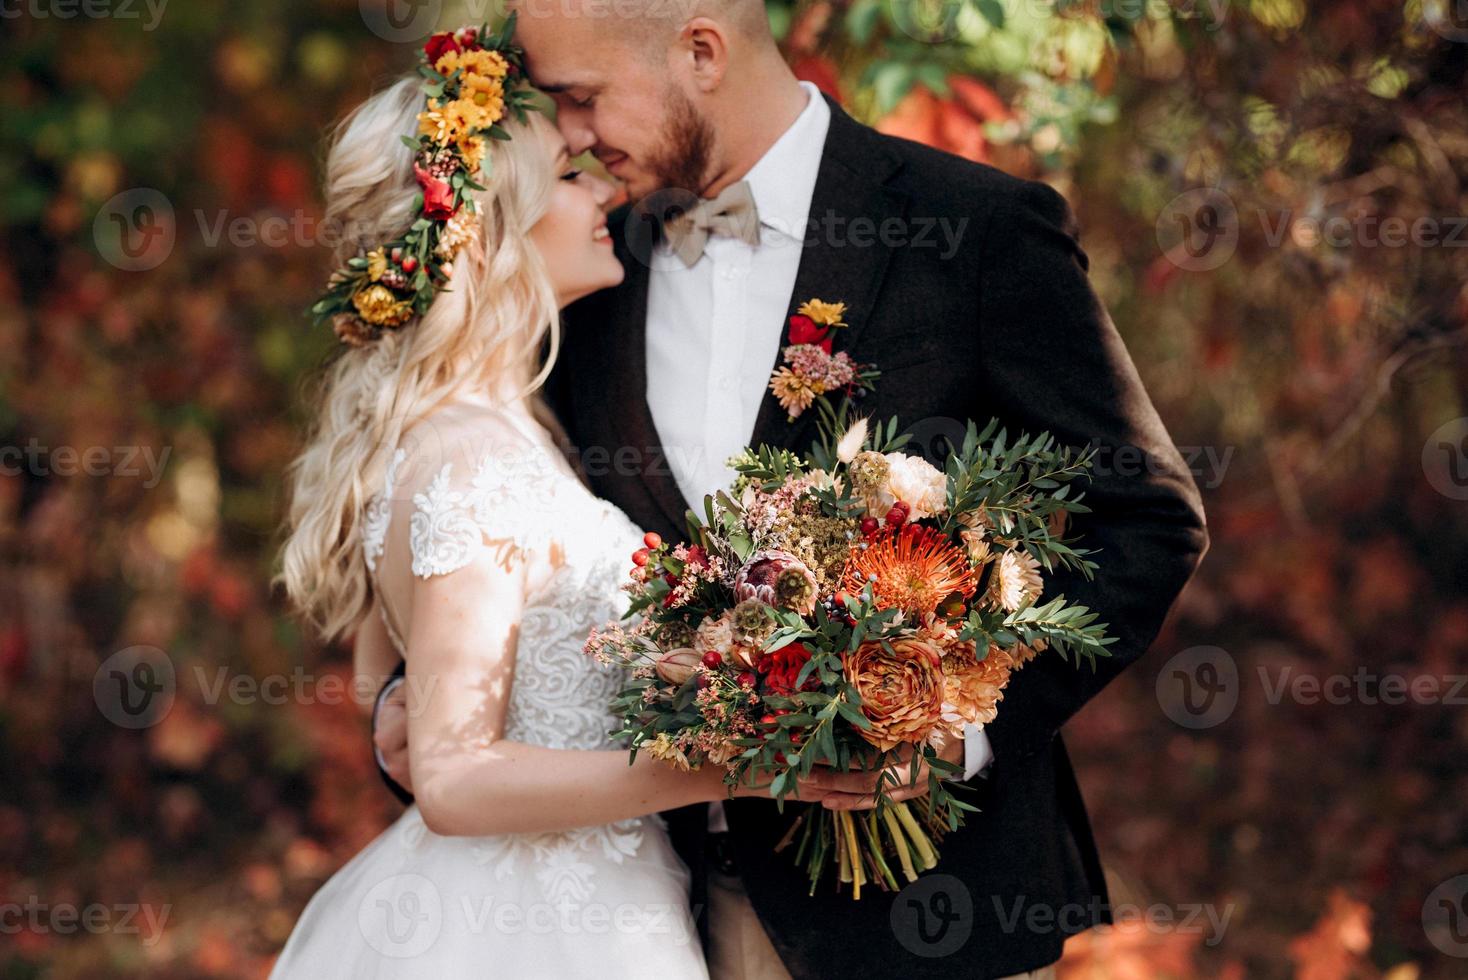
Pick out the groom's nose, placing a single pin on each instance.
(574, 122)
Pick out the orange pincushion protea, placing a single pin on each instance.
(913, 570)
(901, 691)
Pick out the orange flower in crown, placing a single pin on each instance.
(472, 78)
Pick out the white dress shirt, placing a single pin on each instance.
(714, 329)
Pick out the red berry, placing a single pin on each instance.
(397, 255)
(652, 539)
(670, 578)
(748, 679)
(410, 265)
(767, 720)
(702, 680)
(713, 659)
(904, 505)
(639, 557)
(896, 517)
(869, 526)
(841, 598)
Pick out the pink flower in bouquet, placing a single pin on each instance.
(777, 578)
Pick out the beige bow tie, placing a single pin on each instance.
(731, 214)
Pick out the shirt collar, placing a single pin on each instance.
(784, 180)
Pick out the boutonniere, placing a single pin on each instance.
(809, 370)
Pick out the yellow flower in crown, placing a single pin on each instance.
(376, 264)
(379, 306)
(468, 115)
(489, 93)
(472, 149)
(487, 63)
(823, 313)
(438, 126)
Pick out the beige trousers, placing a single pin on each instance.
(739, 948)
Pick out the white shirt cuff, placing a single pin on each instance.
(978, 754)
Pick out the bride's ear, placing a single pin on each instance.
(704, 42)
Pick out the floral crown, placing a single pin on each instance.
(472, 78)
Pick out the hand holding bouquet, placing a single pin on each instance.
(848, 609)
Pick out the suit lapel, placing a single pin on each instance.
(850, 186)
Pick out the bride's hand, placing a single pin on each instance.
(806, 790)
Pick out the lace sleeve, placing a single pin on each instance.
(507, 502)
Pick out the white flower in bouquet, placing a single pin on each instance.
(915, 482)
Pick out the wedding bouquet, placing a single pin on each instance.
(847, 608)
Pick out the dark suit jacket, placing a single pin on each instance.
(1001, 322)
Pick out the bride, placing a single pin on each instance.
(433, 518)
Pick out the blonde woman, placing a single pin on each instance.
(433, 518)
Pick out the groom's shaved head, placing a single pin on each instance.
(648, 21)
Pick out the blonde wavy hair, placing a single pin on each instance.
(487, 332)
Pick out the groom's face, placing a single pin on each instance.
(618, 96)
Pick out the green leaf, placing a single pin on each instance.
(892, 80)
(861, 20)
(993, 12)
(934, 77)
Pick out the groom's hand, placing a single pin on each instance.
(858, 790)
(390, 735)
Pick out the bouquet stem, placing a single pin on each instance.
(903, 855)
(862, 846)
(926, 854)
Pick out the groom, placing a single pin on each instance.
(967, 289)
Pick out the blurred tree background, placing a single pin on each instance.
(1272, 194)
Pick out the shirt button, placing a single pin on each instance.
(726, 384)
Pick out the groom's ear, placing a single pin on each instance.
(704, 42)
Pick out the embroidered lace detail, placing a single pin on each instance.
(443, 535)
(557, 859)
(518, 501)
(378, 513)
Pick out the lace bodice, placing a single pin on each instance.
(513, 493)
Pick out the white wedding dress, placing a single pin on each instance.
(605, 901)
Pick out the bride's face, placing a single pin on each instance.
(572, 234)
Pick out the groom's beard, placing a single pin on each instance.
(688, 140)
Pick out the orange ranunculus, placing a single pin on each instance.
(901, 691)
